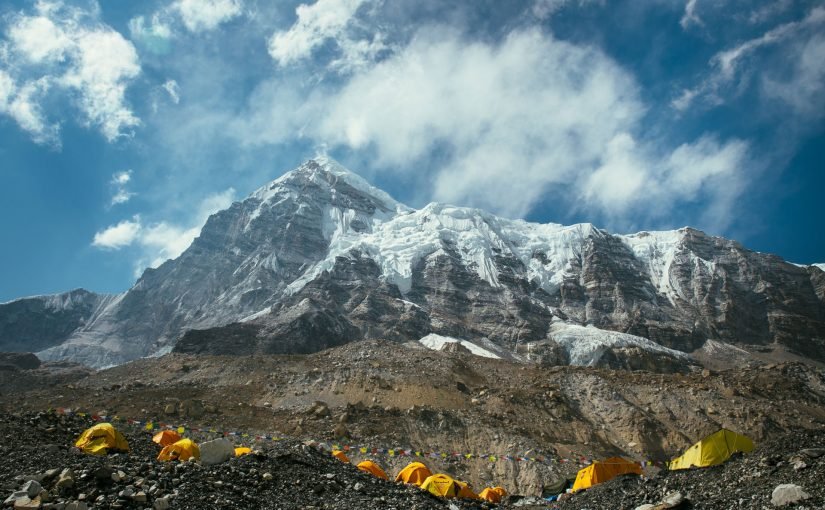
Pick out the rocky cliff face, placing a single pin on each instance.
(319, 258)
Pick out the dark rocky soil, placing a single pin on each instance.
(283, 475)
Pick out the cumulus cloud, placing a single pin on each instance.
(62, 48)
(119, 182)
(200, 15)
(517, 122)
(322, 21)
(726, 67)
(162, 240)
(544, 9)
(118, 236)
(153, 35)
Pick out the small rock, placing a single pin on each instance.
(646, 506)
(140, 497)
(267, 476)
(813, 453)
(104, 473)
(673, 500)
(27, 503)
(161, 503)
(66, 479)
(788, 494)
(77, 505)
(799, 465)
(126, 493)
(31, 488)
(358, 486)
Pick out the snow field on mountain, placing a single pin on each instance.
(436, 342)
(585, 345)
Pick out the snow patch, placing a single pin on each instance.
(436, 342)
(585, 345)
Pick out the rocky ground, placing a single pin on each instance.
(283, 475)
(387, 395)
(747, 481)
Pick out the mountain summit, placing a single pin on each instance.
(319, 257)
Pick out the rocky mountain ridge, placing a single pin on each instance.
(319, 258)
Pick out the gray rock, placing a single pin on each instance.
(788, 494)
(161, 504)
(77, 505)
(216, 451)
(31, 488)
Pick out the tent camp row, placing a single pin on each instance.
(439, 484)
(711, 450)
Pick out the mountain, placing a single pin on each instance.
(319, 258)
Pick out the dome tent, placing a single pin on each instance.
(712, 450)
(602, 471)
(101, 438)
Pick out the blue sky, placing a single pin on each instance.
(123, 124)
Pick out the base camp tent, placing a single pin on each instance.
(166, 437)
(441, 485)
(414, 472)
(338, 454)
(242, 450)
(184, 449)
(464, 490)
(492, 494)
(101, 438)
(372, 468)
(602, 471)
(712, 450)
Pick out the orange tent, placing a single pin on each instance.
(414, 473)
(338, 454)
(602, 471)
(493, 494)
(372, 468)
(166, 437)
(242, 450)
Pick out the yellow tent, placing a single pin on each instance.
(712, 450)
(180, 450)
(372, 468)
(602, 471)
(414, 473)
(166, 437)
(242, 450)
(465, 491)
(492, 494)
(101, 438)
(441, 485)
(338, 454)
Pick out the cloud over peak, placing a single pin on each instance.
(61, 48)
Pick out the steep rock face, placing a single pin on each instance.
(318, 258)
(36, 323)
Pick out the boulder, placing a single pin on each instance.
(216, 451)
(788, 494)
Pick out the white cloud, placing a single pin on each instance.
(690, 17)
(317, 23)
(119, 182)
(23, 105)
(70, 49)
(163, 240)
(118, 236)
(804, 87)
(39, 39)
(172, 88)
(515, 123)
(104, 62)
(726, 66)
(200, 15)
(153, 36)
